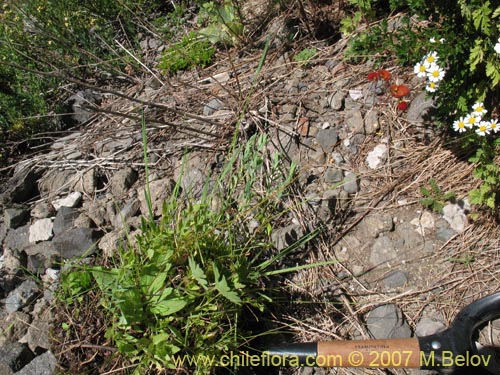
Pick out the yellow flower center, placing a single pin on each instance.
(472, 120)
(422, 68)
(461, 125)
(482, 128)
(430, 59)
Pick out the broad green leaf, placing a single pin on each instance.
(222, 286)
(198, 273)
(496, 13)
(476, 55)
(157, 283)
(493, 71)
(105, 279)
(481, 18)
(168, 307)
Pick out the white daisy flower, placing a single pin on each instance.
(483, 128)
(431, 86)
(435, 73)
(420, 70)
(494, 126)
(471, 120)
(497, 46)
(431, 57)
(479, 110)
(459, 125)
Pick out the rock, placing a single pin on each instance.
(41, 230)
(130, 209)
(13, 261)
(350, 183)
(212, 106)
(122, 180)
(354, 122)
(21, 187)
(395, 279)
(21, 296)
(71, 200)
(288, 112)
(42, 210)
(387, 322)
(60, 181)
(425, 221)
(286, 236)
(96, 211)
(371, 122)
(65, 142)
(76, 242)
(375, 225)
(37, 336)
(327, 138)
(456, 215)
(17, 238)
(120, 141)
(14, 327)
(65, 219)
(382, 251)
(111, 242)
(443, 231)
(419, 108)
(160, 191)
(333, 175)
(336, 100)
(376, 158)
(77, 106)
(41, 256)
(44, 364)
(428, 326)
(14, 356)
(15, 217)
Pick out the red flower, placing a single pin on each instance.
(398, 91)
(372, 76)
(402, 105)
(384, 74)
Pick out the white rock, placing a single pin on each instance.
(41, 230)
(69, 201)
(355, 94)
(425, 221)
(456, 216)
(377, 156)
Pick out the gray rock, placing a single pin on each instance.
(350, 183)
(382, 251)
(443, 231)
(76, 242)
(160, 191)
(371, 122)
(419, 108)
(122, 180)
(376, 157)
(387, 322)
(110, 243)
(375, 225)
(44, 364)
(333, 175)
(78, 106)
(96, 211)
(65, 219)
(429, 326)
(24, 294)
(42, 210)
(286, 236)
(13, 261)
(71, 200)
(15, 217)
(130, 209)
(212, 106)
(60, 181)
(65, 142)
(354, 122)
(288, 112)
(121, 141)
(14, 327)
(327, 138)
(336, 100)
(395, 279)
(456, 215)
(17, 238)
(14, 356)
(21, 187)
(37, 336)
(41, 256)
(41, 230)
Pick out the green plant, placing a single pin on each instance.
(434, 197)
(223, 22)
(305, 55)
(190, 52)
(194, 275)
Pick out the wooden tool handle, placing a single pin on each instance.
(387, 353)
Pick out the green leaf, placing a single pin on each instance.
(198, 273)
(481, 18)
(493, 71)
(476, 55)
(169, 307)
(222, 286)
(157, 283)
